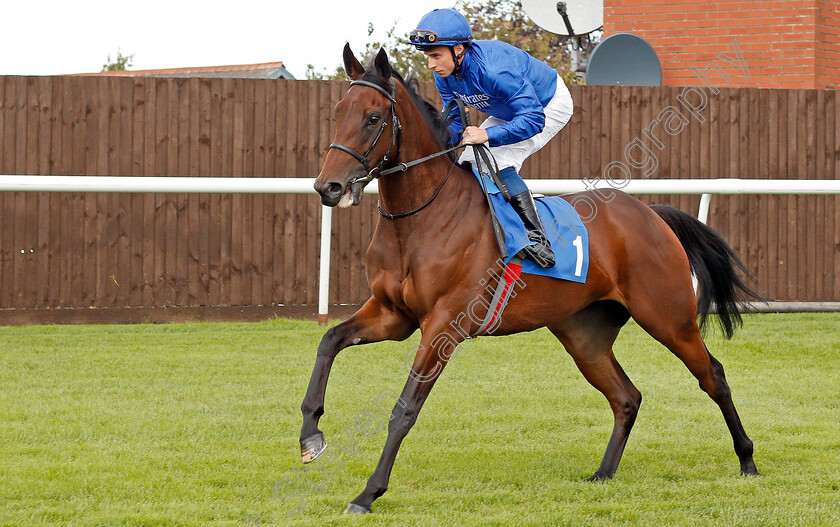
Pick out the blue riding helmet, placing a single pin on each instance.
(441, 27)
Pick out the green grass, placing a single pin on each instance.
(196, 424)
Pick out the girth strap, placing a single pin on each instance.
(503, 294)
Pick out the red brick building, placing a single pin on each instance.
(782, 43)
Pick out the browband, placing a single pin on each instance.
(375, 87)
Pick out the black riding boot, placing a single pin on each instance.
(540, 253)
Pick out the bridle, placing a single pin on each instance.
(396, 136)
(396, 141)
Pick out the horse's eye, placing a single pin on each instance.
(373, 119)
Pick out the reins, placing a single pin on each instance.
(482, 153)
(423, 206)
(402, 167)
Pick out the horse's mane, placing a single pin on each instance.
(429, 112)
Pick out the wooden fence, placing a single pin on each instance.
(109, 250)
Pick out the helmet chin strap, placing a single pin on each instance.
(457, 58)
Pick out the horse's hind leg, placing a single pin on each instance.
(588, 337)
(684, 341)
(723, 398)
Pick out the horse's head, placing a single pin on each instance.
(365, 135)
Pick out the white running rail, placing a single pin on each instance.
(222, 185)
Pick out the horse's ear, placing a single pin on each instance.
(352, 65)
(383, 67)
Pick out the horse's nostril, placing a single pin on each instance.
(333, 188)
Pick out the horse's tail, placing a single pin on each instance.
(715, 265)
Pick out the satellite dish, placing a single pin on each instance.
(585, 16)
(624, 59)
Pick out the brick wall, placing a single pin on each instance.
(758, 43)
(828, 43)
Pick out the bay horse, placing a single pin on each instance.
(426, 261)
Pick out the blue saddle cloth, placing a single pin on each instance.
(563, 227)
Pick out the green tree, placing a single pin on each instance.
(405, 58)
(315, 75)
(502, 20)
(120, 63)
(505, 20)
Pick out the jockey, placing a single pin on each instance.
(526, 99)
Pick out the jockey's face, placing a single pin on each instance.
(441, 59)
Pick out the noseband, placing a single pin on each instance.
(395, 136)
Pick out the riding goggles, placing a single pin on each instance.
(424, 36)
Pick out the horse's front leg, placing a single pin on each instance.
(436, 348)
(371, 323)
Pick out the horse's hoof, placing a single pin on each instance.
(312, 447)
(748, 468)
(599, 477)
(356, 509)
